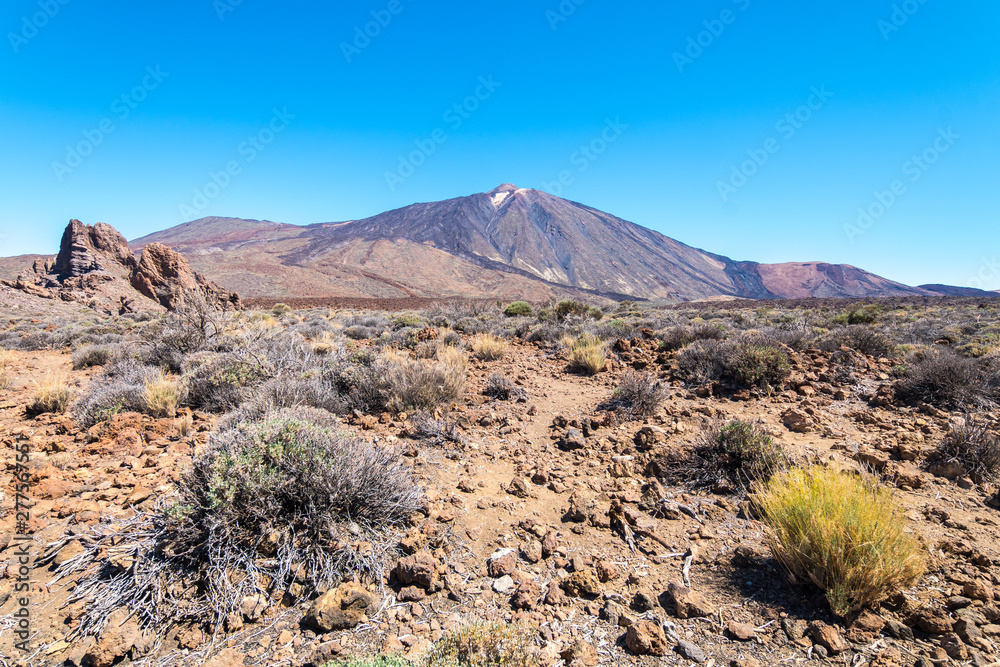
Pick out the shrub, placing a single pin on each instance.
(408, 320)
(568, 307)
(359, 332)
(738, 454)
(51, 395)
(944, 379)
(757, 363)
(422, 385)
(287, 499)
(703, 361)
(221, 382)
(487, 347)
(841, 532)
(518, 308)
(499, 387)
(485, 645)
(974, 447)
(94, 355)
(866, 340)
(587, 354)
(121, 388)
(281, 309)
(640, 393)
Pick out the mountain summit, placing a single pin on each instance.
(508, 242)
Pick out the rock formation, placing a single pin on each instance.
(96, 267)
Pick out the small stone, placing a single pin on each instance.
(501, 563)
(828, 637)
(504, 585)
(580, 654)
(582, 584)
(606, 571)
(743, 632)
(646, 638)
(691, 651)
(344, 607)
(687, 603)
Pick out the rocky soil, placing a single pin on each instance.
(550, 511)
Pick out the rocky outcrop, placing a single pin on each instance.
(96, 267)
(166, 277)
(85, 249)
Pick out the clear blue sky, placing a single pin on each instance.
(923, 82)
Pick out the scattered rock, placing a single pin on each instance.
(687, 603)
(646, 638)
(344, 607)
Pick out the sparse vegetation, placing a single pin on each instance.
(6, 359)
(639, 393)
(499, 387)
(587, 354)
(736, 455)
(945, 379)
(162, 397)
(485, 645)
(518, 308)
(487, 347)
(973, 446)
(52, 394)
(841, 532)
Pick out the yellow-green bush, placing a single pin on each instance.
(587, 353)
(842, 532)
(52, 395)
(487, 347)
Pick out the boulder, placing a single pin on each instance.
(646, 638)
(344, 607)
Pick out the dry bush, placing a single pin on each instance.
(943, 379)
(421, 385)
(587, 354)
(487, 347)
(751, 360)
(485, 645)
(500, 388)
(642, 394)
(453, 357)
(121, 388)
(438, 432)
(6, 360)
(52, 394)
(866, 340)
(163, 396)
(271, 503)
(734, 455)
(972, 445)
(841, 532)
(221, 382)
(95, 355)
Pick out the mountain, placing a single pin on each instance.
(509, 242)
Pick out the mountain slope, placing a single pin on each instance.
(509, 242)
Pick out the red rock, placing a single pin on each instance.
(646, 638)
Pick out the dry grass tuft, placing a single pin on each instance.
(162, 397)
(52, 395)
(487, 347)
(587, 354)
(6, 359)
(842, 532)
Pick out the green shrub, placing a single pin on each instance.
(370, 661)
(841, 532)
(757, 364)
(518, 308)
(568, 307)
(408, 320)
(281, 309)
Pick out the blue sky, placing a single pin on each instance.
(756, 130)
